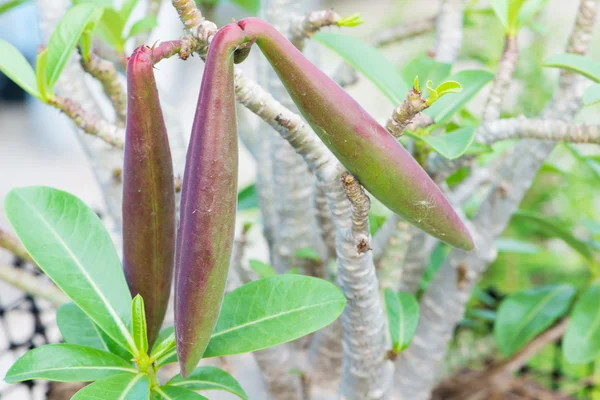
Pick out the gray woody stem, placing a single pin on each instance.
(33, 285)
(443, 305)
(504, 75)
(304, 28)
(404, 31)
(106, 73)
(448, 30)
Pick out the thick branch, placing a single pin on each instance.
(12, 244)
(106, 73)
(90, 124)
(504, 75)
(33, 285)
(404, 114)
(404, 31)
(448, 31)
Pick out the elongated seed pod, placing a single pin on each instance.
(363, 146)
(148, 194)
(208, 203)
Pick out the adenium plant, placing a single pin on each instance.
(112, 328)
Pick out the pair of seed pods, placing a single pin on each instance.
(209, 192)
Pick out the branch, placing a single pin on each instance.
(33, 285)
(106, 73)
(404, 114)
(90, 124)
(404, 31)
(542, 129)
(324, 222)
(390, 248)
(304, 28)
(448, 31)
(12, 244)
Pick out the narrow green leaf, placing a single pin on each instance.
(145, 24)
(369, 61)
(77, 328)
(69, 243)
(10, 4)
(577, 63)
(98, 3)
(274, 310)
(500, 7)
(65, 37)
(67, 363)
(448, 87)
(126, 9)
(524, 315)
(175, 393)
(262, 269)
(85, 43)
(139, 328)
(514, 10)
(247, 198)
(592, 95)
(307, 253)
(110, 29)
(164, 343)
(450, 145)
(529, 9)
(249, 5)
(472, 81)
(41, 64)
(392, 306)
(119, 387)
(209, 378)
(588, 161)
(17, 69)
(581, 343)
(376, 221)
(555, 228)
(426, 68)
(403, 318)
(508, 245)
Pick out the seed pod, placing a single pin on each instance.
(208, 203)
(363, 146)
(148, 194)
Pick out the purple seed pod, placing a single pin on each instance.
(208, 203)
(363, 146)
(148, 194)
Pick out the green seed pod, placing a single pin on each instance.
(208, 203)
(148, 194)
(363, 146)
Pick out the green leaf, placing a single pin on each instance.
(274, 310)
(437, 258)
(145, 24)
(175, 393)
(262, 269)
(508, 245)
(369, 61)
(139, 328)
(209, 378)
(119, 387)
(426, 68)
(472, 81)
(376, 221)
(403, 318)
(500, 7)
(581, 343)
(164, 343)
(77, 328)
(110, 29)
(249, 5)
(555, 228)
(247, 198)
(69, 243)
(307, 253)
(40, 75)
(67, 363)
(524, 315)
(589, 161)
(509, 13)
(65, 37)
(9, 5)
(17, 69)
(592, 95)
(126, 9)
(529, 9)
(450, 145)
(350, 21)
(85, 43)
(576, 63)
